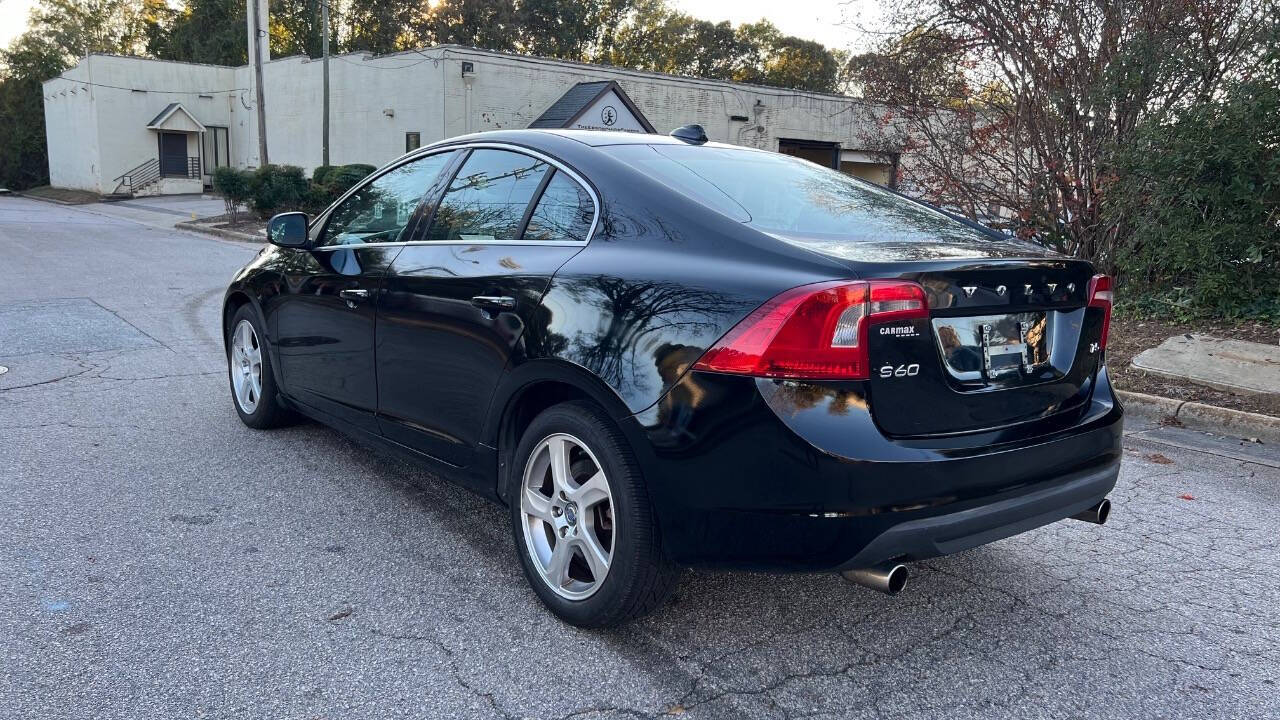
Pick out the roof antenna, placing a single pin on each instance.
(692, 134)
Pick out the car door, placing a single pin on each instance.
(325, 324)
(455, 306)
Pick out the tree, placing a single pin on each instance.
(296, 28)
(379, 26)
(568, 29)
(23, 67)
(801, 64)
(80, 27)
(923, 67)
(655, 37)
(1050, 90)
(1198, 200)
(202, 31)
(489, 24)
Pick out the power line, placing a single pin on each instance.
(147, 90)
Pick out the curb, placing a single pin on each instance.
(1199, 416)
(219, 232)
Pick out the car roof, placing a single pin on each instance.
(592, 138)
(599, 138)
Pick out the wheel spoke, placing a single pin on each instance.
(559, 449)
(536, 504)
(597, 558)
(558, 565)
(594, 490)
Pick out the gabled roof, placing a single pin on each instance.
(565, 111)
(166, 120)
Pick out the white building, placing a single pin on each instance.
(126, 124)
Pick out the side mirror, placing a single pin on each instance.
(288, 230)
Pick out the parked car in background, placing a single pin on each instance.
(659, 352)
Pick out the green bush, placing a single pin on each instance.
(1197, 200)
(344, 176)
(321, 174)
(233, 186)
(329, 182)
(277, 188)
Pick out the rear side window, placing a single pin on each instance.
(488, 198)
(381, 210)
(564, 212)
(786, 195)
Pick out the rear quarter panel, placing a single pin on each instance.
(662, 280)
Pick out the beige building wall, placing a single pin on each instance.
(96, 113)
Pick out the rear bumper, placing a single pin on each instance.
(761, 475)
(995, 519)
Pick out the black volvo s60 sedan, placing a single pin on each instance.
(658, 351)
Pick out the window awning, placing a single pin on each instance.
(175, 118)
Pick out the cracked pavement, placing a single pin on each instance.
(160, 560)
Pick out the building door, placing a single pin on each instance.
(826, 154)
(173, 154)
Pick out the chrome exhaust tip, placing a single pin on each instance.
(889, 579)
(1097, 514)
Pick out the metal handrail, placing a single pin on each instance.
(149, 172)
(139, 177)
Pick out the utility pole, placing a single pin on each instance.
(324, 8)
(257, 73)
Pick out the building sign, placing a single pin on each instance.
(608, 113)
(601, 105)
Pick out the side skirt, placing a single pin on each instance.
(481, 484)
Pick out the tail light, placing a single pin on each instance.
(1100, 296)
(814, 332)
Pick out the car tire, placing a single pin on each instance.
(253, 385)
(637, 576)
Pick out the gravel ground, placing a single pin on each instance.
(160, 560)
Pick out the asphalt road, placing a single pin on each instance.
(160, 560)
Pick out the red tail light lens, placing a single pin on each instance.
(1100, 296)
(814, 332)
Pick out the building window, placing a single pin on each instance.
(217, 151)
(412, 141)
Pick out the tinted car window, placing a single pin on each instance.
(488, 197)
(564, 212)
(781, 194)
(380, 211)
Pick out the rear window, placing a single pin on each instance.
(781, 194)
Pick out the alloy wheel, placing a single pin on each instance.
(246, 366)
(567, 507)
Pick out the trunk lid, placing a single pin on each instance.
(1006, 342)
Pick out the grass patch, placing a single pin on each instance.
(64, 195)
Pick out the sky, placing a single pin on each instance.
(819, 20)
(831, 22)
(13, 19)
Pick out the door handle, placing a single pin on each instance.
(494, 302)
(353, 296)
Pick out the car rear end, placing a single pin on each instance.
(948, 392)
